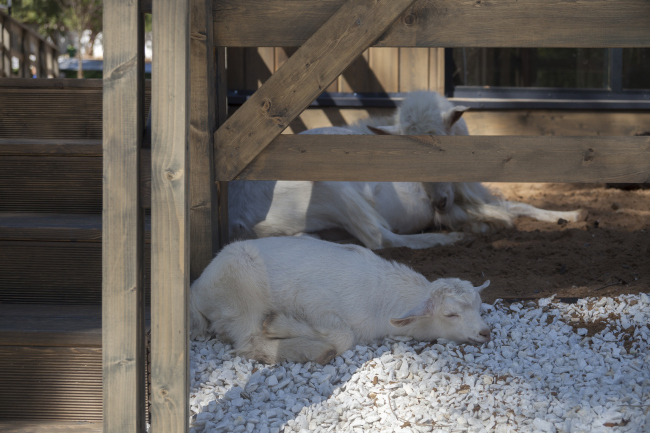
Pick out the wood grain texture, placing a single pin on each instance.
(454, 159)
(53, 383)
(384, 63)
(34, 426)
(33, 181)
(203, 203)
(437, 70)
(557, 122)
(300, 80)
(122, 222)
(49, 325)
(221, 234)
(52, 272)
(42, 147)
(413, 69)
(446, 23)
(358, 77)
(260, 65)
(54, 227)
(63, 109)
(170, 218)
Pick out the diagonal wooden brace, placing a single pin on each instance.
(322, 58)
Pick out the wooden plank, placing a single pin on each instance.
(2, 46)
(302, 78)
(51, 325)
(384, 63)
(437, 70)
(259, 66)
(446, 23)
(203, 218)
(222, 235)
(557, 122)
(358, 76)
(55, 272)
(54, 383)
(51, 184)
(454, 159)
(282, 54)
(31, 426)
(123, 226)
(170, 218)
(22, 226)
(71, 183)
(33, 147)
(53, 108)
(413, 69)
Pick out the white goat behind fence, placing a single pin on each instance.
(381, 214)
(302, 299)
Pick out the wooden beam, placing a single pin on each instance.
(300, 80)
(446, 23)
(123, 226)
(170, 218)
(203, 195)
(453, 159)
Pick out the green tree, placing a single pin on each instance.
(81, 15)
(46, 16)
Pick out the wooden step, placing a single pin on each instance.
(51, 367)
(53, 175)
(54, 259)
(32, 426)
(50, 363)
(54, 108)
(51, 325)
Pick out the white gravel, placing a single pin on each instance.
(533, 377)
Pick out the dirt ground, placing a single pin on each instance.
(606, 255)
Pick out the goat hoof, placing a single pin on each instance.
(326, 357)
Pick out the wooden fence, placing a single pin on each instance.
(188, 100)
(31, 50)
(377, 70)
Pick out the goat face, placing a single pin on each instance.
(441, 195)
(453, 312)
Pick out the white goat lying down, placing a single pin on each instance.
(302, 299)
(381, 214)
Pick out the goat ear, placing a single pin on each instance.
(425, 309)
(453, 115)
(483, 286)
(384, 130)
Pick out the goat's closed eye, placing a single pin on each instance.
(451, 315)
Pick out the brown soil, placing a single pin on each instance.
(606, 255)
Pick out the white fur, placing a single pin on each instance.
(381, 214)
(302, 299)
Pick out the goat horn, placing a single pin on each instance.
(485, 284)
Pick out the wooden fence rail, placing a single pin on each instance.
(29, 48)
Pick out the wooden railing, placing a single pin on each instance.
(36, 56)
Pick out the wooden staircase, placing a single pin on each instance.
(51, 255)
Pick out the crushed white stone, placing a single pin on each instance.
(533, 377)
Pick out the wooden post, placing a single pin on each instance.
(170, 218)
(204, 236)
(123, 228)
(24, 47)
(2, 45)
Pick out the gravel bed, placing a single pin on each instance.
(551, 367)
